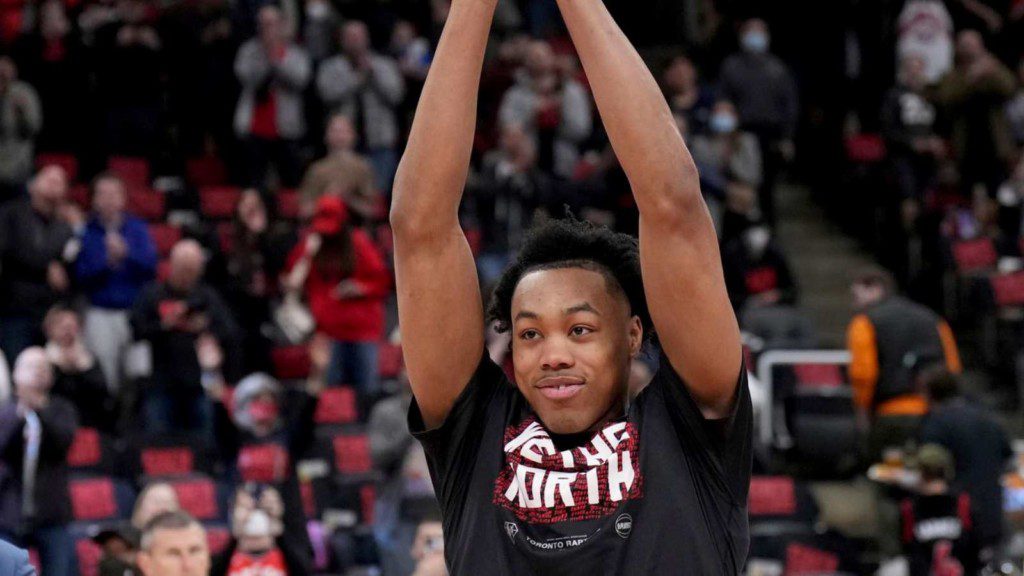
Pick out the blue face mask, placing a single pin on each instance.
(722, 123)
(755, 42)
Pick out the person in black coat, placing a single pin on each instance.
(36, 433)
(78, 378)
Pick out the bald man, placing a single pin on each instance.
(36, 433)
(172, 316)
(35, 246)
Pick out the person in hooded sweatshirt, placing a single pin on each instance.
(267, 430)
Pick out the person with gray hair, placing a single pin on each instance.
(36, 433)
(174, 544)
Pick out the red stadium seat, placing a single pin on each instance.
(823, 375)
(292, 363)
(167, 461)
(352, 454)
(198, 497)
(146, 204)
(288, 204)
(804, 560)
(134, 171)
(93, 499)
(89, 554)
(336, 406)
(975, 255)
(772, 496)
(66, 161)
(206, 171)
(165, 236)
(219, 202)
(264, 463)
(86, 449)
(79, 194)
(217, 538)
(1009, 289)
(389, 360)
(865, 148)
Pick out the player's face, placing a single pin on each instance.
(177, 552)
(572, 340)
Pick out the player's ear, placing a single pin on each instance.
(636, 336)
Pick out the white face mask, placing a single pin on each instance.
(257, 525)
(755, 42)
(757, 240)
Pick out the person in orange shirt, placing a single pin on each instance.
(892, 340)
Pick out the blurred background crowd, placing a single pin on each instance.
(197, 318)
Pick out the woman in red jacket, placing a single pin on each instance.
(345, 281)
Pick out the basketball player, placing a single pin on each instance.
(556, 473)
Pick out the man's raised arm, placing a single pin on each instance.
(679, 253)
(439, 304)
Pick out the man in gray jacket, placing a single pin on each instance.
(273, 72)
(21, 118)
(368, 88)
(552, 108)
(14, 561)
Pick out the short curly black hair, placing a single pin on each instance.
(573, 243)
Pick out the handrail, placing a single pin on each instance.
(772, 358)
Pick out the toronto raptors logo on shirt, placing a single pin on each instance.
(542, 485)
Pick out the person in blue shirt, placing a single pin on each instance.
(118, 258)
(14, 561)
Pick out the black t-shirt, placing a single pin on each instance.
(661, 491)
(938, 533)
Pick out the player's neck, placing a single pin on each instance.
(571, 440)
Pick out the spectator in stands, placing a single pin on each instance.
(925, 31)
(120, 543)
(553, 109)
(979, 447)
(686, 95)
(175, 316)
(909, 128)
(260, 249)
(731, 163)
(129, 68)
(267, 430)
(428, 549)
(174, 544)
(1015, 108)
(765, 95)
(343, 172)
(258, 543)
(35, 246)
(974, 95)
(345, 280)
(411, 51)
(274, 72)
(368, 88)
(14, 561)
(937, 524)
(406, 490)
(21, 118)
(50, 58)
(35, 435)
(77, 375)
(511, 192)
(320, 29)
(757, 273)
(118, 259)
(892, 341)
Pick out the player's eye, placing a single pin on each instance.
(529, 334)
(580, 331)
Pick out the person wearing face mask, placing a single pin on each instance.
(266, 431)
(765, 95)
(757, 274)
(730, 160)
(974, 95)
(36, 245)
(77, 374)
(258, 543)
